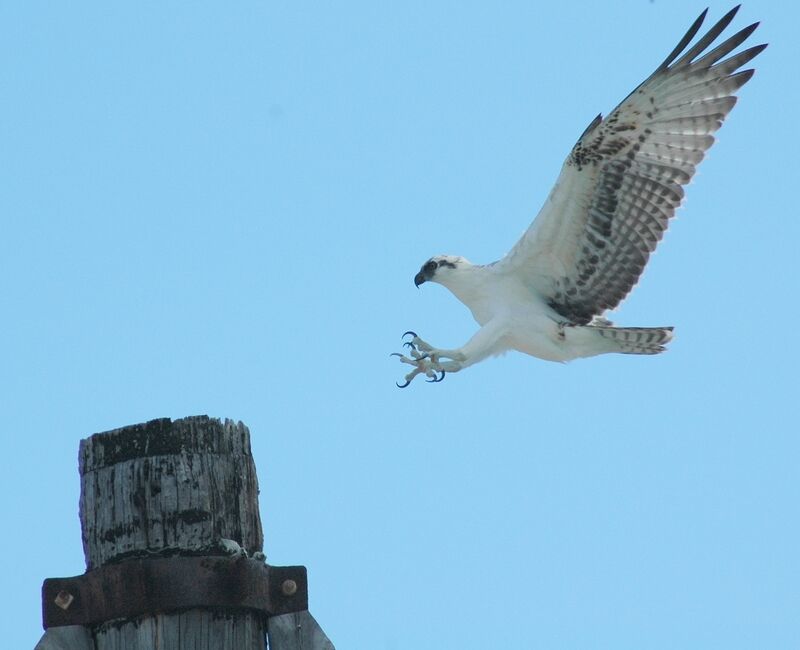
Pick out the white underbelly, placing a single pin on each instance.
(540, 336)
(537, 334)
(530, 326)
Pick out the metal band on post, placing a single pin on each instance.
(137, 587)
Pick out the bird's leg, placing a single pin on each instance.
(420, 348)
(435, 363)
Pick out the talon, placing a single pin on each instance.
(422, 357)
(436, 380)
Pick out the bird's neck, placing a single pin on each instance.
(469, 285)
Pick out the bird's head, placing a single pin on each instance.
(440, 268)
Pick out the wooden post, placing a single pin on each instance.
(163, 488)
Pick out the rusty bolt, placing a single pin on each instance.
(289, 587)
(64, 599)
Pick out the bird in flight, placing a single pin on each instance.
(609, 208)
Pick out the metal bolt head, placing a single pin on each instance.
(289, 587)
(64, 599)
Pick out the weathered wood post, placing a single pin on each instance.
(169, 514)
(171, 487)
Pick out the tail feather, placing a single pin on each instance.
(636, 340)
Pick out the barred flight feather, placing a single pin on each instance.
(624, 178)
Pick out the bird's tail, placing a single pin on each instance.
(635, 340)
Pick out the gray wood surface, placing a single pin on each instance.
(171, 487)
(297, 632)
(164, 485)
(69, 637)
(192, 630)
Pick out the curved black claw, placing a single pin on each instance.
(395, 354)
(436, 380)
(409, 344)
(414, 334)
(402, 385)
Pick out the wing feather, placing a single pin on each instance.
(624, 179)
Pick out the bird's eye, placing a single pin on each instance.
(430, 266)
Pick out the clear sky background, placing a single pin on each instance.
(219, 209)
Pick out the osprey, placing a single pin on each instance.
(610, 206)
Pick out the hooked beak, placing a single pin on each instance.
(419, 278)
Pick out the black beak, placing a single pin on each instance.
(425, 273)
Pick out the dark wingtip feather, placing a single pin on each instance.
(743, 76)
(592, 125)
(725, 48)
(687, 37)
(748, 30)
(749, 54)
(709, 37)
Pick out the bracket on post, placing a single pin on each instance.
(136, 587)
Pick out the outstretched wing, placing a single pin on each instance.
(624, 178)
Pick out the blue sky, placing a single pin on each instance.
(219, 209)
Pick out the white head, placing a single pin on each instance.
(441, 269)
